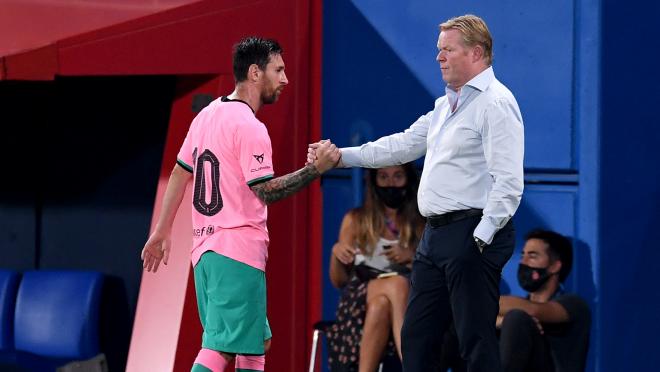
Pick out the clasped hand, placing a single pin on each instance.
(324, 155)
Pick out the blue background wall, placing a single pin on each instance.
(630, 187)
(583, 75)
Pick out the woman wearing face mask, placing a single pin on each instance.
(378, 238)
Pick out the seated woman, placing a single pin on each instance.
(378, 238)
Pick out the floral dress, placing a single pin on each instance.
(345, 335)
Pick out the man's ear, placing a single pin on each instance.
(254, 73)
(555, 268)
(477, 53)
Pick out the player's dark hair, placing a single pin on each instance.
(253, 50)
(559, 248)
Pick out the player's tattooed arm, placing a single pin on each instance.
(327, 156)
(281, 187)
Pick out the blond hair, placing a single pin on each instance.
(474, 31)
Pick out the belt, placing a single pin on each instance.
(450, 217)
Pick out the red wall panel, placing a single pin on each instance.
(166, 334)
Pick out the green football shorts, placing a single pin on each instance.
(231, 298)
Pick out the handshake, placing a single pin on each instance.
(323, 155)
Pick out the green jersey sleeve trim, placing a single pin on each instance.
(259, 180)
(184, 165)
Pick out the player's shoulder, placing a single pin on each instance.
(237, 113)
(231, 115)
(250, 125)
(206, 115)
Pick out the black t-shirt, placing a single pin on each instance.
(569, 341)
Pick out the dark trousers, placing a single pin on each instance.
(450, 356)
(451, 279)
(522, 346)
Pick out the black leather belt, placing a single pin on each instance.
(450, 217)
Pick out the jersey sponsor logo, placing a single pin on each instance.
(203, 231)
(260, 168)
(260, 158)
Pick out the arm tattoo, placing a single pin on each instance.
(281, 187)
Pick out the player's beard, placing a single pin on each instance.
(270, 97)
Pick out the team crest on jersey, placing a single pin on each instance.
(260, 158)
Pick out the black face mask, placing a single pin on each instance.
(525, 277)
(393, 197)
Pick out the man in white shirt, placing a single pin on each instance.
(470, 188)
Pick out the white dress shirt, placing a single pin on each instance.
(474, 155)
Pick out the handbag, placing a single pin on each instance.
(366, 273)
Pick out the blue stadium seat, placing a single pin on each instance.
(57, 314)
(8, 287)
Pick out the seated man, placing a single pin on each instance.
(549, 330)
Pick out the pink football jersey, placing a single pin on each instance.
(228, 149)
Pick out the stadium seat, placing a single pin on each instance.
(57, 316)
(8, 287)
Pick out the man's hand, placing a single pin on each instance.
(313, 155)
(311, 152)
(327, 156)
(344, 253)
(156, 249)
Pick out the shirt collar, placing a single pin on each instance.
(479, 82)
(227, 99)
(483, 80)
